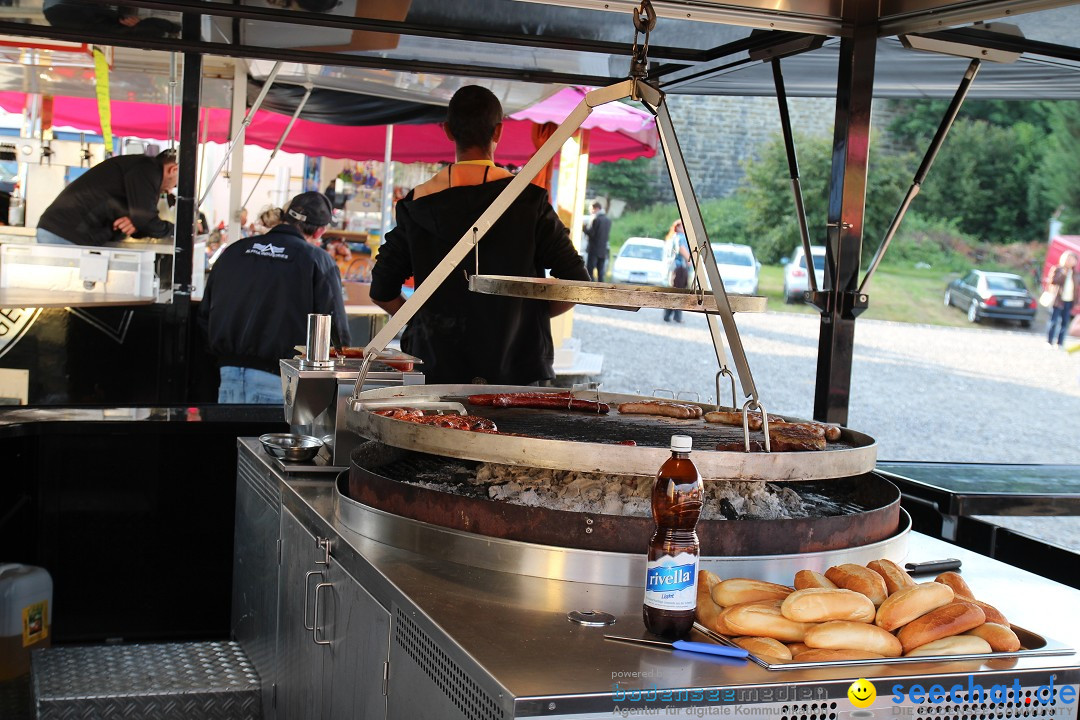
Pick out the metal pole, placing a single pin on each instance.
(239, 138)
(793, 170)
(284, 136)
(924, 168)
(696, 234)
(847, 200)
(388, 182)
(172, 100)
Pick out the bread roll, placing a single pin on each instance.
(895, 577)
(1000, 638)
(959, 587)
(735, 591)
(952, 619)
(824, 604)
(797, 647)
(707, 611)
(764, 647)
(906, 604)
(763, 619)
(809, 579)
(862, 580)
(844, 635)
(992, 613)
(953, 645)
(827, 655)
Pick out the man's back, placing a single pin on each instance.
(127, 185)
(598, 235)
(259, 294)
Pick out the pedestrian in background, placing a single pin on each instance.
(597, 234)
(1062, 281)
(680, 272)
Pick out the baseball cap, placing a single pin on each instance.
(312, 208)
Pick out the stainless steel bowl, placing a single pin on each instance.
(291, 447)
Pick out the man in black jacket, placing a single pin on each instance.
(463, 336)
(258, 296)
(116, 198)
(596, 251)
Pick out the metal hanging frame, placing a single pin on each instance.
(635, 88)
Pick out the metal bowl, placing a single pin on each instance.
(291, 447)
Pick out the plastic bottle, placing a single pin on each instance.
(671, 578)
(16, 208)
(25, 616)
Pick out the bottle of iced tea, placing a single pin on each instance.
(671, 579)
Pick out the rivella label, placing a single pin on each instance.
(671, 582)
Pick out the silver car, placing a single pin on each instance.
(796, 280)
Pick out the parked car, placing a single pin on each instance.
(996, 295)
(738, 267)
(796, 280)
(643, 261)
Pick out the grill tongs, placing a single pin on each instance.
(636, 87)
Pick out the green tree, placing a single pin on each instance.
(1058, 184)
(766, 194)
(626, 180)
(917, 120)
(983, 178)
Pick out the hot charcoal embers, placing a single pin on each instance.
(836, 514)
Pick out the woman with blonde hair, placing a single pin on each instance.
(680, 273)
(1062, 281)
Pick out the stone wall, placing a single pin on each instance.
(718, 134)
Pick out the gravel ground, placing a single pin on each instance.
(930, 393)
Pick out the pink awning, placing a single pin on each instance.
(623, 133)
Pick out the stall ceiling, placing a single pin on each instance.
(526, 50)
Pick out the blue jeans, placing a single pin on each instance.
(50, 238)
(1059, 323)
(241, 385)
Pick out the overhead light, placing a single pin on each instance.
(969, 47)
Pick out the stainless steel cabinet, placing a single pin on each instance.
(333, 636)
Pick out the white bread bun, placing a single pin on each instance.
(797, 647)
(992, 613)
(764, 647)
(909, 603)
(844, 635)
(707, 612)
(999, 637)
(952, 645)
(895, 577)
(809, 579)
(735, 591)
(952, 619)
(763, 619)
(862, 580)
(825, 604)
(958, 584)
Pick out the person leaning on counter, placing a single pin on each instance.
(116, 198)
(258, 296)
(466, 337)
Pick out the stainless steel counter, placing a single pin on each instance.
(508, 634)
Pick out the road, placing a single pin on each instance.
(981, 394)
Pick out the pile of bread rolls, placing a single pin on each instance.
(852, 613)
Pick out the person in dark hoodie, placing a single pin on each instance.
(257, 298)
(116, 198)
(466, 337)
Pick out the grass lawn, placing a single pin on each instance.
(898, 294)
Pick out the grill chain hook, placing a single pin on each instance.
(644, 22)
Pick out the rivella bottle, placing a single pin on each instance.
(671, 578)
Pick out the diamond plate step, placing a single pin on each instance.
(211, 680)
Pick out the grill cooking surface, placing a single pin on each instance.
(645, 430)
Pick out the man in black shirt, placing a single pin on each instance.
(116, 198)
(258, 296)
(596, 251)
(462, 336)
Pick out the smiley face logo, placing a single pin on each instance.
(862, 693)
